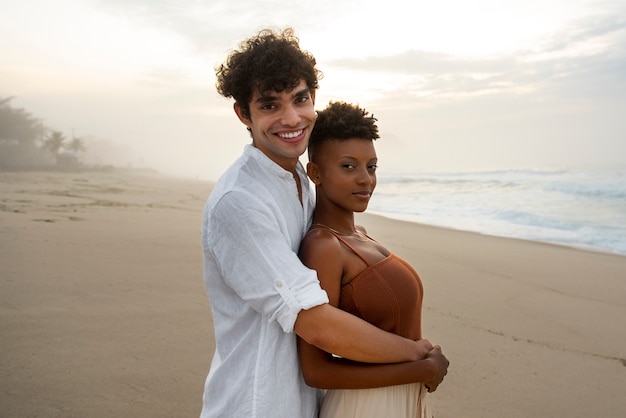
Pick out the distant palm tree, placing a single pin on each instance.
(76, 145)
(54, 142)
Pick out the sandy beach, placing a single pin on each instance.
(103, 311)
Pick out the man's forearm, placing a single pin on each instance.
(345, 335)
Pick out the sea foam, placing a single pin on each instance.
(584, 209)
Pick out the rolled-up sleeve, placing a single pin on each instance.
(256, 260)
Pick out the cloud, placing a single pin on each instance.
(560, 103)
(216, 26)
(587, 58)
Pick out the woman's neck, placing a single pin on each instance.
(342, 224)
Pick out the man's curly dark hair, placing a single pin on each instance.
(269, 61)
(342, 121)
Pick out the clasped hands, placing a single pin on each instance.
(437, 361)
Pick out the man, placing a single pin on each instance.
(253, 222)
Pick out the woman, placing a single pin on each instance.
(362, 277)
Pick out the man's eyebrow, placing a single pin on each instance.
(304, 92)
(271, 96)
(266, 98)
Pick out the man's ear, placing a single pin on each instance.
(243, 116)
(313, 172)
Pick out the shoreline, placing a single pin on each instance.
(103, 310)
(579, 247)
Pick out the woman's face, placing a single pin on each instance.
(346, 174)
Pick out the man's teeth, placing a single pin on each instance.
(292, 134)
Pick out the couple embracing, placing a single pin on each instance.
(312, 316)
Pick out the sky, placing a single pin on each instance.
(455, 85)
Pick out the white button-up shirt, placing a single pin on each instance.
(252, 227)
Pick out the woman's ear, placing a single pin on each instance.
(313, 172)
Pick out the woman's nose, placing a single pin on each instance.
(364, 176)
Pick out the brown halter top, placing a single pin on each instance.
(388, 294)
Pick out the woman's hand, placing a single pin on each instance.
(440, 368)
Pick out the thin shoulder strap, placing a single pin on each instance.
(344, 242)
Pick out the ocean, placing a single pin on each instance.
(583, 209)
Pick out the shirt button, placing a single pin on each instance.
(279, 284)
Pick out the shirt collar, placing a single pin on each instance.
(268, 164)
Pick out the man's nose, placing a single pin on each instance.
(290, 116)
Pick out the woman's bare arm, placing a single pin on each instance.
(349, 337)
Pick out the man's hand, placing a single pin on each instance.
(423, 348)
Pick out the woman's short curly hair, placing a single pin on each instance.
(342, 121)
(269, 61)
